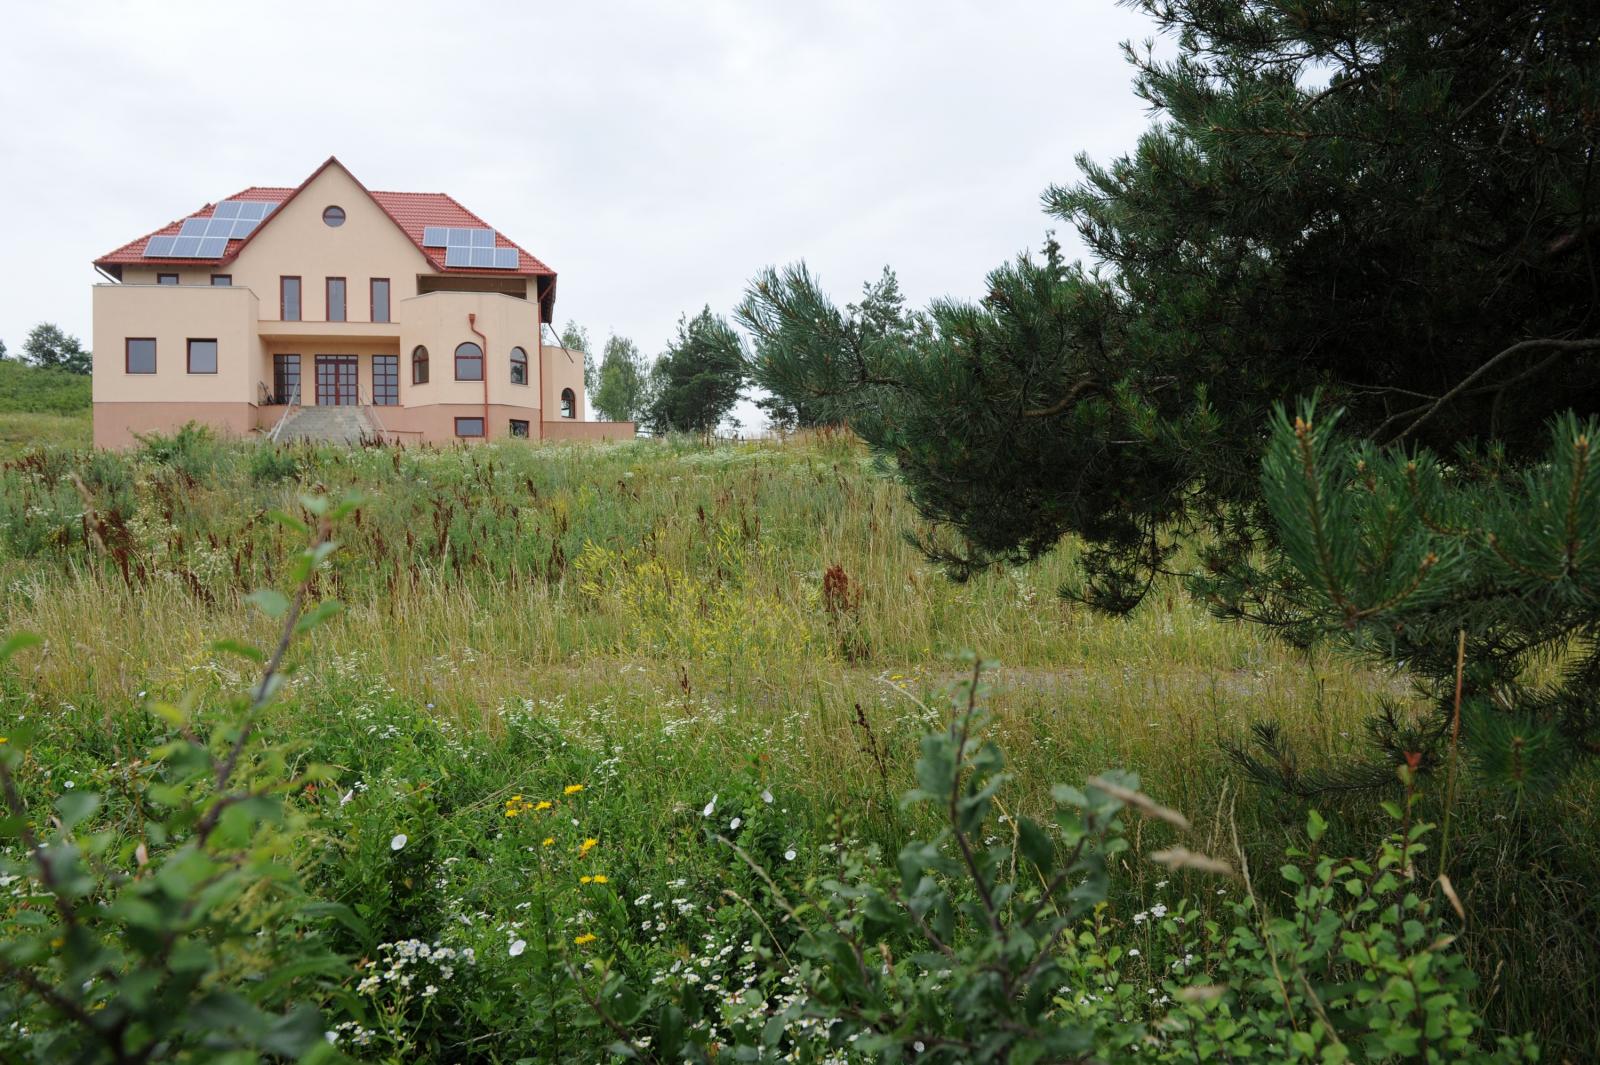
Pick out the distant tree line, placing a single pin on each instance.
(48, 345)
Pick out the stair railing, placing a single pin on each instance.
(289, 408)
(371, 409)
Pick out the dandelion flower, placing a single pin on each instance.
(543, 804)
(4, 740)
(398, 842)
(572, 789)
(517, 947)
(711, 807)
(548, 840)
(585, 879)
(587, 937)
(601, 878)
(587, 846)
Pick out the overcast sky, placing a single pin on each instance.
(656, 155)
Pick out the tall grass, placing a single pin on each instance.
(679, 615)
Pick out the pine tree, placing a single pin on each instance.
(699, 378)
(1392, 204)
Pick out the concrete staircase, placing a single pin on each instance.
(335, 425)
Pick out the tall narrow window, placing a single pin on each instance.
(469, 362)
(335, 299)
(469, 426)
(202, 355)
(141, 355)
(221, 280)
(569, 404)
(419, 365)
(166, 279)
(385, 380)
(289, 299)
(380, 299)
(519, 366)
(286, 378)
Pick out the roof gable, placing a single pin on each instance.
(409, 211)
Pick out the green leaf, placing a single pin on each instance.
(269, 601)
(243, 650)
(17, 642)
(1315, 826)
(76, 806)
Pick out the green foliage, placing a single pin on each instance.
(576, 338)
(1398, 553)
(184, 935)
(48, 346)
(990, 943)
(1373, 231)
(621, 392)
(38, 389)
(698, 380)
(813, 360)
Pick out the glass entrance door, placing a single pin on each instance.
(338, 380)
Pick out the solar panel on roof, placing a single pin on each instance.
(185, 247)
(213, 248)
(159, 247)
(435, 236)
(482, 238)
(458, 256)
(505, 258)
(226, 209)
(220, 227)
(194, 227)
(243, 227)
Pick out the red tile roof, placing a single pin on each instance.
(411, 211)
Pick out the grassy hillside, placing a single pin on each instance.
(41, 407)
(678, 627)
(40, 390)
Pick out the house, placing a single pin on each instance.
(333, 311)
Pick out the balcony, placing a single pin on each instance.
(271, 329)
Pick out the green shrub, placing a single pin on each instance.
(171, 925)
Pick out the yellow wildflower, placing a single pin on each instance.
(587, 846)
(587, 937)
(601, 878)
(548, 840)
(585, 879)
(543, 804)
(572, 789)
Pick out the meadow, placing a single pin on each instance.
(658, 636)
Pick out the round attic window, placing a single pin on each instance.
(333, 216)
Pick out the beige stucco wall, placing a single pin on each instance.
(439, 322)
(173, 314)
(563, 368)
(564, 430)
(295, 241)
(115, 423)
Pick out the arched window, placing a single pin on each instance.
(469, 362)
(519, 366)
(419, 365)
(569, 404)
